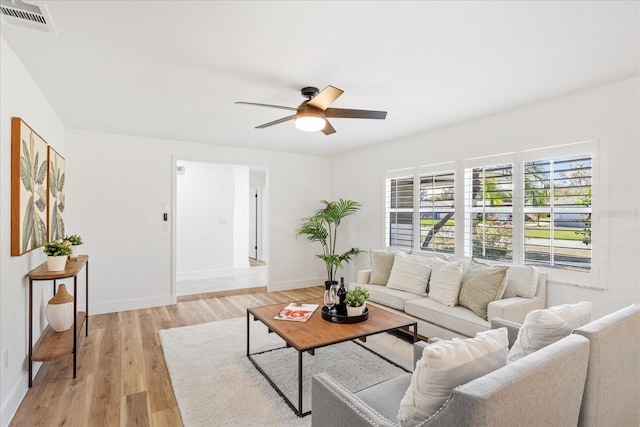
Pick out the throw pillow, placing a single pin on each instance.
(544, 327)
(447, 364)
(522, 281)
(482, 284)
(444, 285)
(381, 263)
(409, 273)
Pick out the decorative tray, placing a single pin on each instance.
(337, 318)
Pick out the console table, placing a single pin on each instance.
(53, 345)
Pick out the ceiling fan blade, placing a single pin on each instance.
(328, 129)
(276, 122)
(268, 105)
(325, 97)
(345, 113)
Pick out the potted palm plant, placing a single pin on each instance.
(322, 227)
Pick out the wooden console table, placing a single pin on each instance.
(53, 345)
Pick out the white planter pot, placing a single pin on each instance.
(57, 263)
(75, 251)
(356, 311)
(59, 311)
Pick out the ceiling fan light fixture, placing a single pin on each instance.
(310, 120)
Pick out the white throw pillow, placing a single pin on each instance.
(446, 365)
(381, 263)
(544, 327)
(522, 281)
(409, 273)
(444, 285)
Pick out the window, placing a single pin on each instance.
(489, 212)
(437, 222)
(399, 212)
(557, 212)
(533, 207)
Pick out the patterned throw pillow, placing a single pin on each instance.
(544, 327)
(410, 273)
(446, 365)
(444, 285)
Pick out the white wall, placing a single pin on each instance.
(204, 219)
(609, 113)
(119, 185)
(19, 97)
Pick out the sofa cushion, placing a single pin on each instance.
(522, 281)
(481, 284)
(389, 297)
(458, 319)
(381, 263)
(444, 285)
(447, 364)
(543, 327)
(410, 273)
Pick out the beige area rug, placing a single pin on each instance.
(215, 384)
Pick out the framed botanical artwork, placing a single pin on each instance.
(28, 188)
(56, 195)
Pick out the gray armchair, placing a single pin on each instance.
(523, 393)
(612, 390)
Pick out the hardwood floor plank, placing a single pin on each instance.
(137, 410)
(122, 379)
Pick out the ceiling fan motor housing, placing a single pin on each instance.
(309, 92)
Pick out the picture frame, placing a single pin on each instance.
(56, 195)
(29, 201)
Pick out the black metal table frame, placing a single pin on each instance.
(298, 410)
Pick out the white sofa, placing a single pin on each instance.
(438, 320)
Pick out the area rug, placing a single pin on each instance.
(215, 384)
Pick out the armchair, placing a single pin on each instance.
(517, 394)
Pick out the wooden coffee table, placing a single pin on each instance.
(317, 332)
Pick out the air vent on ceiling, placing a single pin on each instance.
(27, 15)
(180, 169)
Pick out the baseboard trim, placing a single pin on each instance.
(16, 395)
(297, 284)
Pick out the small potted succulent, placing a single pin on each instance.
(76, 241)
(356, 301)
(57, 252)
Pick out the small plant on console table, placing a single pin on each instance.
(76, 241)
(356, 300)
(322, 227)
(57, 252)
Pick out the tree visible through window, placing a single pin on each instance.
(437, 223)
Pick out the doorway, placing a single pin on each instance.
(219, 227)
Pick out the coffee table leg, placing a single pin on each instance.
(299, 383)
(248, 333)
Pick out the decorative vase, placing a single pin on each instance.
(75, 251)
(356, 311)
(57, 263)
(59, 311)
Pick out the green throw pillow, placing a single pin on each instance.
(482, 284)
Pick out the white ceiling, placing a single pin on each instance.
(173, 69)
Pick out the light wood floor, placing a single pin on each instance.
(122, 379)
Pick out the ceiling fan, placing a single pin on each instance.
(312, 114)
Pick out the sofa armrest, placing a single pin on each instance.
(513, 309)
(512, 328)
(333, 405)
(363, 276)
